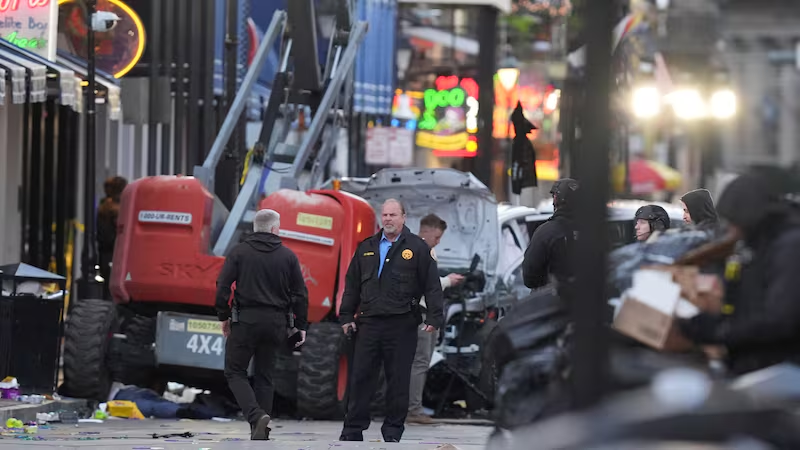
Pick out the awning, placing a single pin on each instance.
(65, 78)
(647, 177)
(15, 75)
(106, 82)
(444, 38)
(36, 74)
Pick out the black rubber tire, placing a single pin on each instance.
(491, 363)
(86, 339)
(132, 359)
(318, 373)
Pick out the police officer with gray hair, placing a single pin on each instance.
(269, 290)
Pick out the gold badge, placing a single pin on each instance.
(369, 254)
(407, 254)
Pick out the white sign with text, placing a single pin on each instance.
(31, 24)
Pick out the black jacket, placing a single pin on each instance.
(763, 327)
(548, 252)
(267, 276)
(701, 208)
(409, 273)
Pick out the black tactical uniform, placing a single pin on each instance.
(548, 253)
(385, 303)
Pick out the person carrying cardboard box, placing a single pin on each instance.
(760, 322)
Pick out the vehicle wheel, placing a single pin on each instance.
(131, 359)
(491, 362)
(86, 339)
(322, 373)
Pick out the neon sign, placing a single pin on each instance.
(13, 5)
(118, 50)
(449, 120)
(30, 24)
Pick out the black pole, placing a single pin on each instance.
(155, 49)
(587, 300)
(89, 254)
(227, 179)
(487, 65)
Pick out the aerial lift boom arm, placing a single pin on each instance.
(274, 163)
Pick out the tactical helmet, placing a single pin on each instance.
(563, 189)
(655, 215)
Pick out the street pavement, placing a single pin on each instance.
(288, 435)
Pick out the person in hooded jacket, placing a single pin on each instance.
(760, 323)
(548, 253)
(269, 289)
(698, 209)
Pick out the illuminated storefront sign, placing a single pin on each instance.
(30, 24)
(118, 50)
(449, 119)
(536, 102)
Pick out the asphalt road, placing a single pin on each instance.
(288, 435)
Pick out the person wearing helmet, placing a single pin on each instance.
(649, 219)
(548, 253)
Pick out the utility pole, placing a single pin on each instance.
(586, 297)
(90, 288)
(227, 183)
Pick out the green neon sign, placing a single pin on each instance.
(26, 43)
(434, 99)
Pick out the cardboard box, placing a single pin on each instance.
(703, 290)
(650, 326)
(648, 311)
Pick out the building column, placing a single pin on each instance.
(755, 78)
(787, 135)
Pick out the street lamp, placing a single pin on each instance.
(723, 104)
(508, 73)
(688, 104)
(646, 102)
(404, 55)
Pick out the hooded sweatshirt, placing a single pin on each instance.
(268, 278)
(701, 207)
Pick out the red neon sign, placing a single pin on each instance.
(13, 5)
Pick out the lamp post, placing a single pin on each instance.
(89, 273)
(508, 75)
(403, 60)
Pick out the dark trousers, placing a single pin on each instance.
(392, 341)
(260, 339)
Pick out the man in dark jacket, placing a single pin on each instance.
(698, 209)
(389, 274)
(269, 287)
(760, 326)
(548, 253)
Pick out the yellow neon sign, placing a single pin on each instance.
(139, 28)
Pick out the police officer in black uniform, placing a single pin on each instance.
(649, 219)
(388, 275)
(269, 289)
(548, 253)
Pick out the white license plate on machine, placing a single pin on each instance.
(189, 340)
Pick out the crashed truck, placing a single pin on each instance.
(173, 235)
